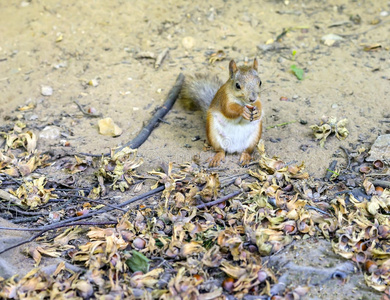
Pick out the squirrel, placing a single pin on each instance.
(234, 112)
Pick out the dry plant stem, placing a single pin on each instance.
(160, 58)
(22, 212)
(56, 227)
(220, 200)
(317, 209)
(331, 169)
(147, 130)
(348, 157)
(86, 113)
(98, 201)
(365, 31)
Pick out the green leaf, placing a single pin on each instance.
(293, 53)
(298, 72)
(138, 262)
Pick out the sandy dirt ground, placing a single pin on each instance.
(67, 44)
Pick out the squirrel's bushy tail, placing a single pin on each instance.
(198, 91)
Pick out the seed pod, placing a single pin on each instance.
(365, 169)
(262, 275)
(370, 266)
(378, 164)
(379, 190)
(228, 284)
(139, 243)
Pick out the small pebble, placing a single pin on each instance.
(295, 97)
(273, 140)
(50, 133)
(46, 90)
(33, 117)
(334, 105)
(304, 147)
(188, 42)
(384, 13)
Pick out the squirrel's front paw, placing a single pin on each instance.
(216, 160)
(247, 113)
(256, 114)
(251, 114)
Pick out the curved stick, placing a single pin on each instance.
(162, 111)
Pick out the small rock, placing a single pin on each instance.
(108, 127)
(31, 117)
(331, 39)
(295, 97)
(50, 133)
(60, 65)
(304, 147)
(380, 150)
(334, 105)
(211, 17)
(384, 13)
(273, 140)
(46, 90)
(188, 42)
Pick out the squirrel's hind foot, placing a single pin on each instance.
(245, 159)
(216, 160)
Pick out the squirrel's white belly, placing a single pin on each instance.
(234, 135)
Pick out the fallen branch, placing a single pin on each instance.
(52, 228)
(26, 213)
(72, 221)
(220, 200)
(147, 130)
(162, 111)
(382, 183)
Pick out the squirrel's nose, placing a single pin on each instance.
(253, 97)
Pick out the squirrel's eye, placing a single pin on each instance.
(260, 83)
(238, 87)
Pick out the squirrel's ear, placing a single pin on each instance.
(255, 64)
(232, 67)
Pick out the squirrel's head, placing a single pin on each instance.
(245, 82)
